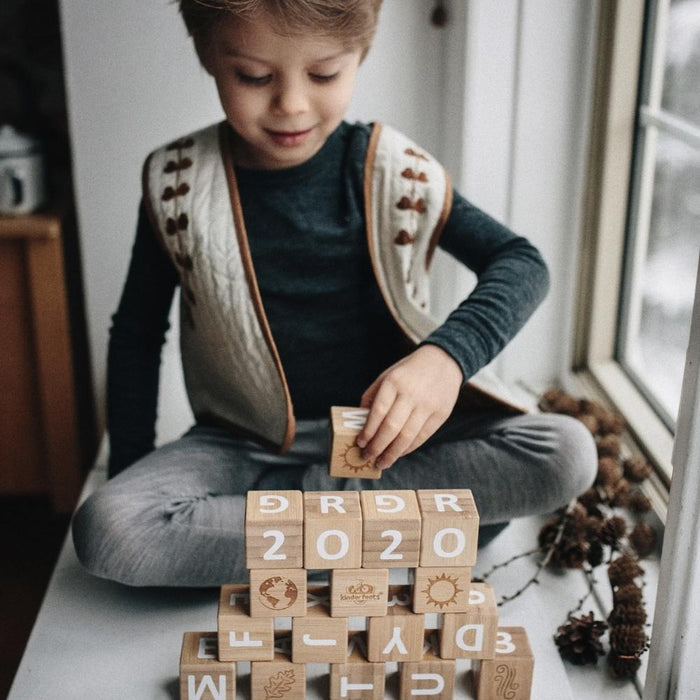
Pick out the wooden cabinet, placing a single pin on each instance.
(38, 424)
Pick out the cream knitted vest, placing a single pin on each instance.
(232, 369)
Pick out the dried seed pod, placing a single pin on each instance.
(636, 469)
(612, 530)
(643, 539)
(629, 594)
(609, 472)
(623, 570)
(623, 665)
(639, 502)
(608, 446)
(627, 615)
(579, 639)
(628, 639)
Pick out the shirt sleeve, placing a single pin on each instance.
(512, 280)
(136, 338)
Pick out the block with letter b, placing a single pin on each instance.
(332, 530)
(357, 678)
(450, 527)
(471, 634)
(202, 675)
(242, 637)
(391, 529)
(346, 458)
(431, 676)
(509, 673)
(274, 530)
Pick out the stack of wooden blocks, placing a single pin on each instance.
(358, 622)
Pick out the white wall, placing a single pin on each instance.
(498, 95)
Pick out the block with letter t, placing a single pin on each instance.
(450, 527)
(274, 530)
(202, 675)
(509, 673)
(346, 458)
(431, 676)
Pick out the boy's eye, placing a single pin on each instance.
(253, 79)
(319, 78)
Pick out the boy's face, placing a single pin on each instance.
(282, 95)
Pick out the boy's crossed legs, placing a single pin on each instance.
(176, 517)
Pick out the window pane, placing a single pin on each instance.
(681, 90)
(660, 284)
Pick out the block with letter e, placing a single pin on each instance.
(357, 678)
(345, 458)
(397, 636)
(202, 675)
(242, 637)
(391, 526)
(332, 530)
(318, 637)
(431, 676)
(471, 634)
(450, 527)
(279, 678)
(509, 673)
(274, 523)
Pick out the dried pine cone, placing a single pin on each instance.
(643, 539)
(621, 496)
(628, 639)
(638, 502)
(595, 554)
(579, 639)
(609, 472)
(608, 446)
(636, 469)
(627, 615)
(623, 570)
(590, 421)
(593, 528)
(628, 595)
(571, 549)
(558, 401)
(611, 423)
(590, 500)
(612, 530)
(623, 665)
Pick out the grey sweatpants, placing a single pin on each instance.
(176, 517)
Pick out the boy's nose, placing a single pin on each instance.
(291, 99)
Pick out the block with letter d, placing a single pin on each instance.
(432, 676)
(274, 522)
(202, 675)
(346, 458)
(450, 527)
(332, 530)
(357, 678)
(391, 526)
(242, 637)
(471, 634)
(509, 673)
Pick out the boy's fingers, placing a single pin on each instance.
(392, 424)
(428, 429)
(405, 438)
(379, 405)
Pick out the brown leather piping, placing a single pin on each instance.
(148, 204)
(244, 248)
(437, 232)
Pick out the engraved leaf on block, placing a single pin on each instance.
(279, 684)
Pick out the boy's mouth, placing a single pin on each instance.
(288, 138)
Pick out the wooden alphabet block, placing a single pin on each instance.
(278, 593)
(398, 636)
(359, 592)
(450, 527)
(318, 637)
(274, 530)
(346, 457)
(441, 589)
(242, 637)
(431, 675)
(391, 529)
(202, 676)
(279, 678)
(471, 634)
(509, 673)
(357, 678)
(332, 530)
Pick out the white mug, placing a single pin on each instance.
(21, 173)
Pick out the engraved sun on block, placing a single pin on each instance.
(442, 590)
(352, 459)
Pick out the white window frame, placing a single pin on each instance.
(620, 37)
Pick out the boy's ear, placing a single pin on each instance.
(203, 50)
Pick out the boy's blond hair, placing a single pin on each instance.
(353, 22)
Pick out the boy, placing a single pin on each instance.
(301, 244)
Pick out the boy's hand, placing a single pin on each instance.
(408, 402)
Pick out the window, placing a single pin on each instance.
(641, 236)
(663, 231)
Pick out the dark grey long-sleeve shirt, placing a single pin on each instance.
(333, 331)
